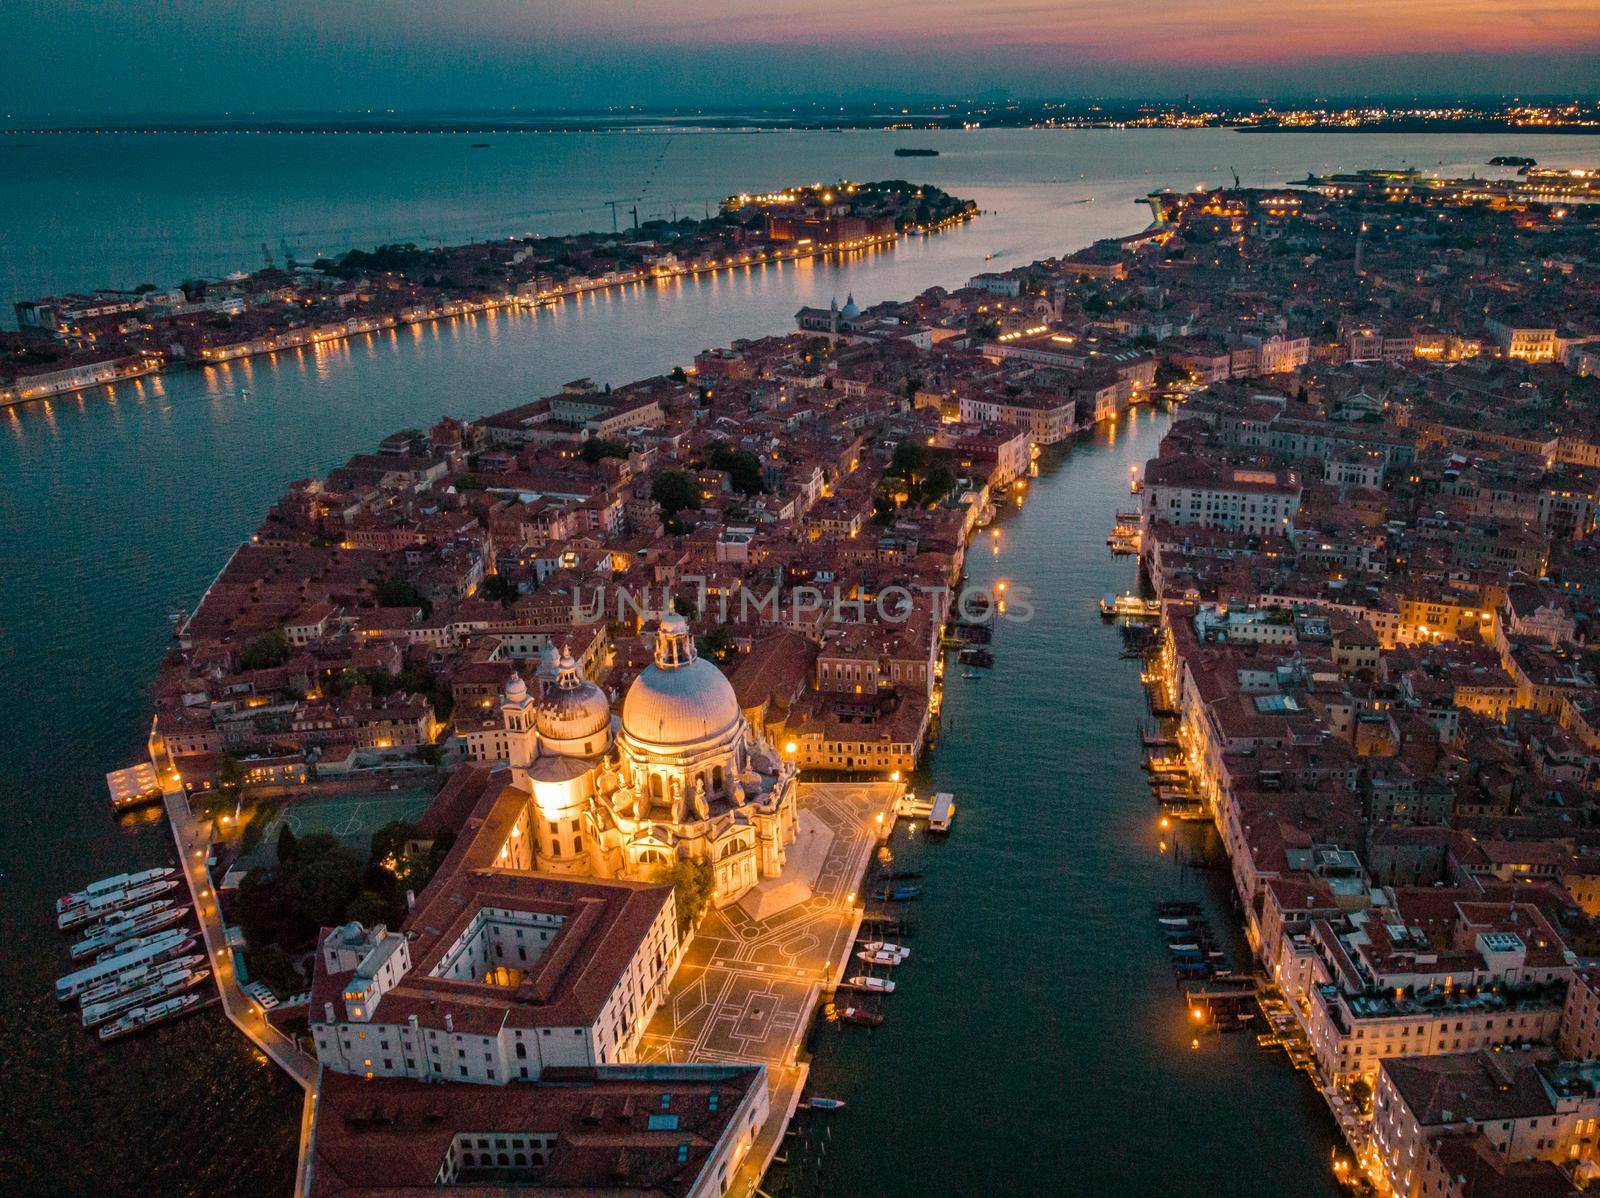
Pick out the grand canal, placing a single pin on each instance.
(1038, 1043)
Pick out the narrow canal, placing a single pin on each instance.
(1037, 1042)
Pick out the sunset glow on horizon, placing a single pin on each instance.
(294, 55)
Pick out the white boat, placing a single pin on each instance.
(126, 932)
(142, 976)
(164, 986)
(944, 811)
(144, 1016)
(881, 985)
(1173, 921)
(105, 904)
(881, 946)
(125, 914)
(879, 958)
(125, 962)
(119, 882)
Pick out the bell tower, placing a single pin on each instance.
(518, 712)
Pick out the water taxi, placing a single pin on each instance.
(943, 813)
(1130, 607)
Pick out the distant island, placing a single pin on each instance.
(73, 342)
(1503, 115)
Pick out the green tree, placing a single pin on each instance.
(389, 842)
(938, 482)
(271, 966)
(691, 883)
(262, 909)
(907, 460)
(369, 908)
(321, 881)
(596, 448)
(743, 467)
(267, 651)
(674, 491)
(400, 592)
(500, 588)
(286, 844)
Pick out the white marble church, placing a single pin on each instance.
(680, 774)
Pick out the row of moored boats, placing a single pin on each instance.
(141, 965)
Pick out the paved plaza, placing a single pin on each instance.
(750, 982)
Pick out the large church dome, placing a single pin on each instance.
(574, 716)
(681, 699)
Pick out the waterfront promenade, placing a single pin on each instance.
(748, 988)
(193, 840)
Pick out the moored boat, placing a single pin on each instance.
(880, 958)
(142, 1017)
(883, 946)
(105, 886)
(125, 962)
(859, 1016)
(164, 986)
(881, 985)
(142, 976)
(897, 894)
(125, 914)
(103, 905)
(118, 934)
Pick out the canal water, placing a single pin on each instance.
(1036, 1042)
(1037, 1028)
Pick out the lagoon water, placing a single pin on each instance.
(1038, 1045)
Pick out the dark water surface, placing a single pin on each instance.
(1035, 1047)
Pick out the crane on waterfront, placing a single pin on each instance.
(612, 204)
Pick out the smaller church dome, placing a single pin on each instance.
(516, 688)
(573, 712)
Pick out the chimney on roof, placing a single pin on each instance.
(449, 1021)
(411, 898)
(327, 1012)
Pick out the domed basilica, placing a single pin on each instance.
(680, 775)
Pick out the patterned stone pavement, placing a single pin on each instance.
(747, 988)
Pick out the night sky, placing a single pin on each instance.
(214, 56)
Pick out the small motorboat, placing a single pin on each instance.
(897, 894)
(881, 985)
(883, 946)
(1173, 921)
(973, 674)
(859, 1016)
(823, 1104)
(880, 958)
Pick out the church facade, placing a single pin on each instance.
(679, 774)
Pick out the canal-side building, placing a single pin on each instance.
(1524, 1105)
(615, 1130)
